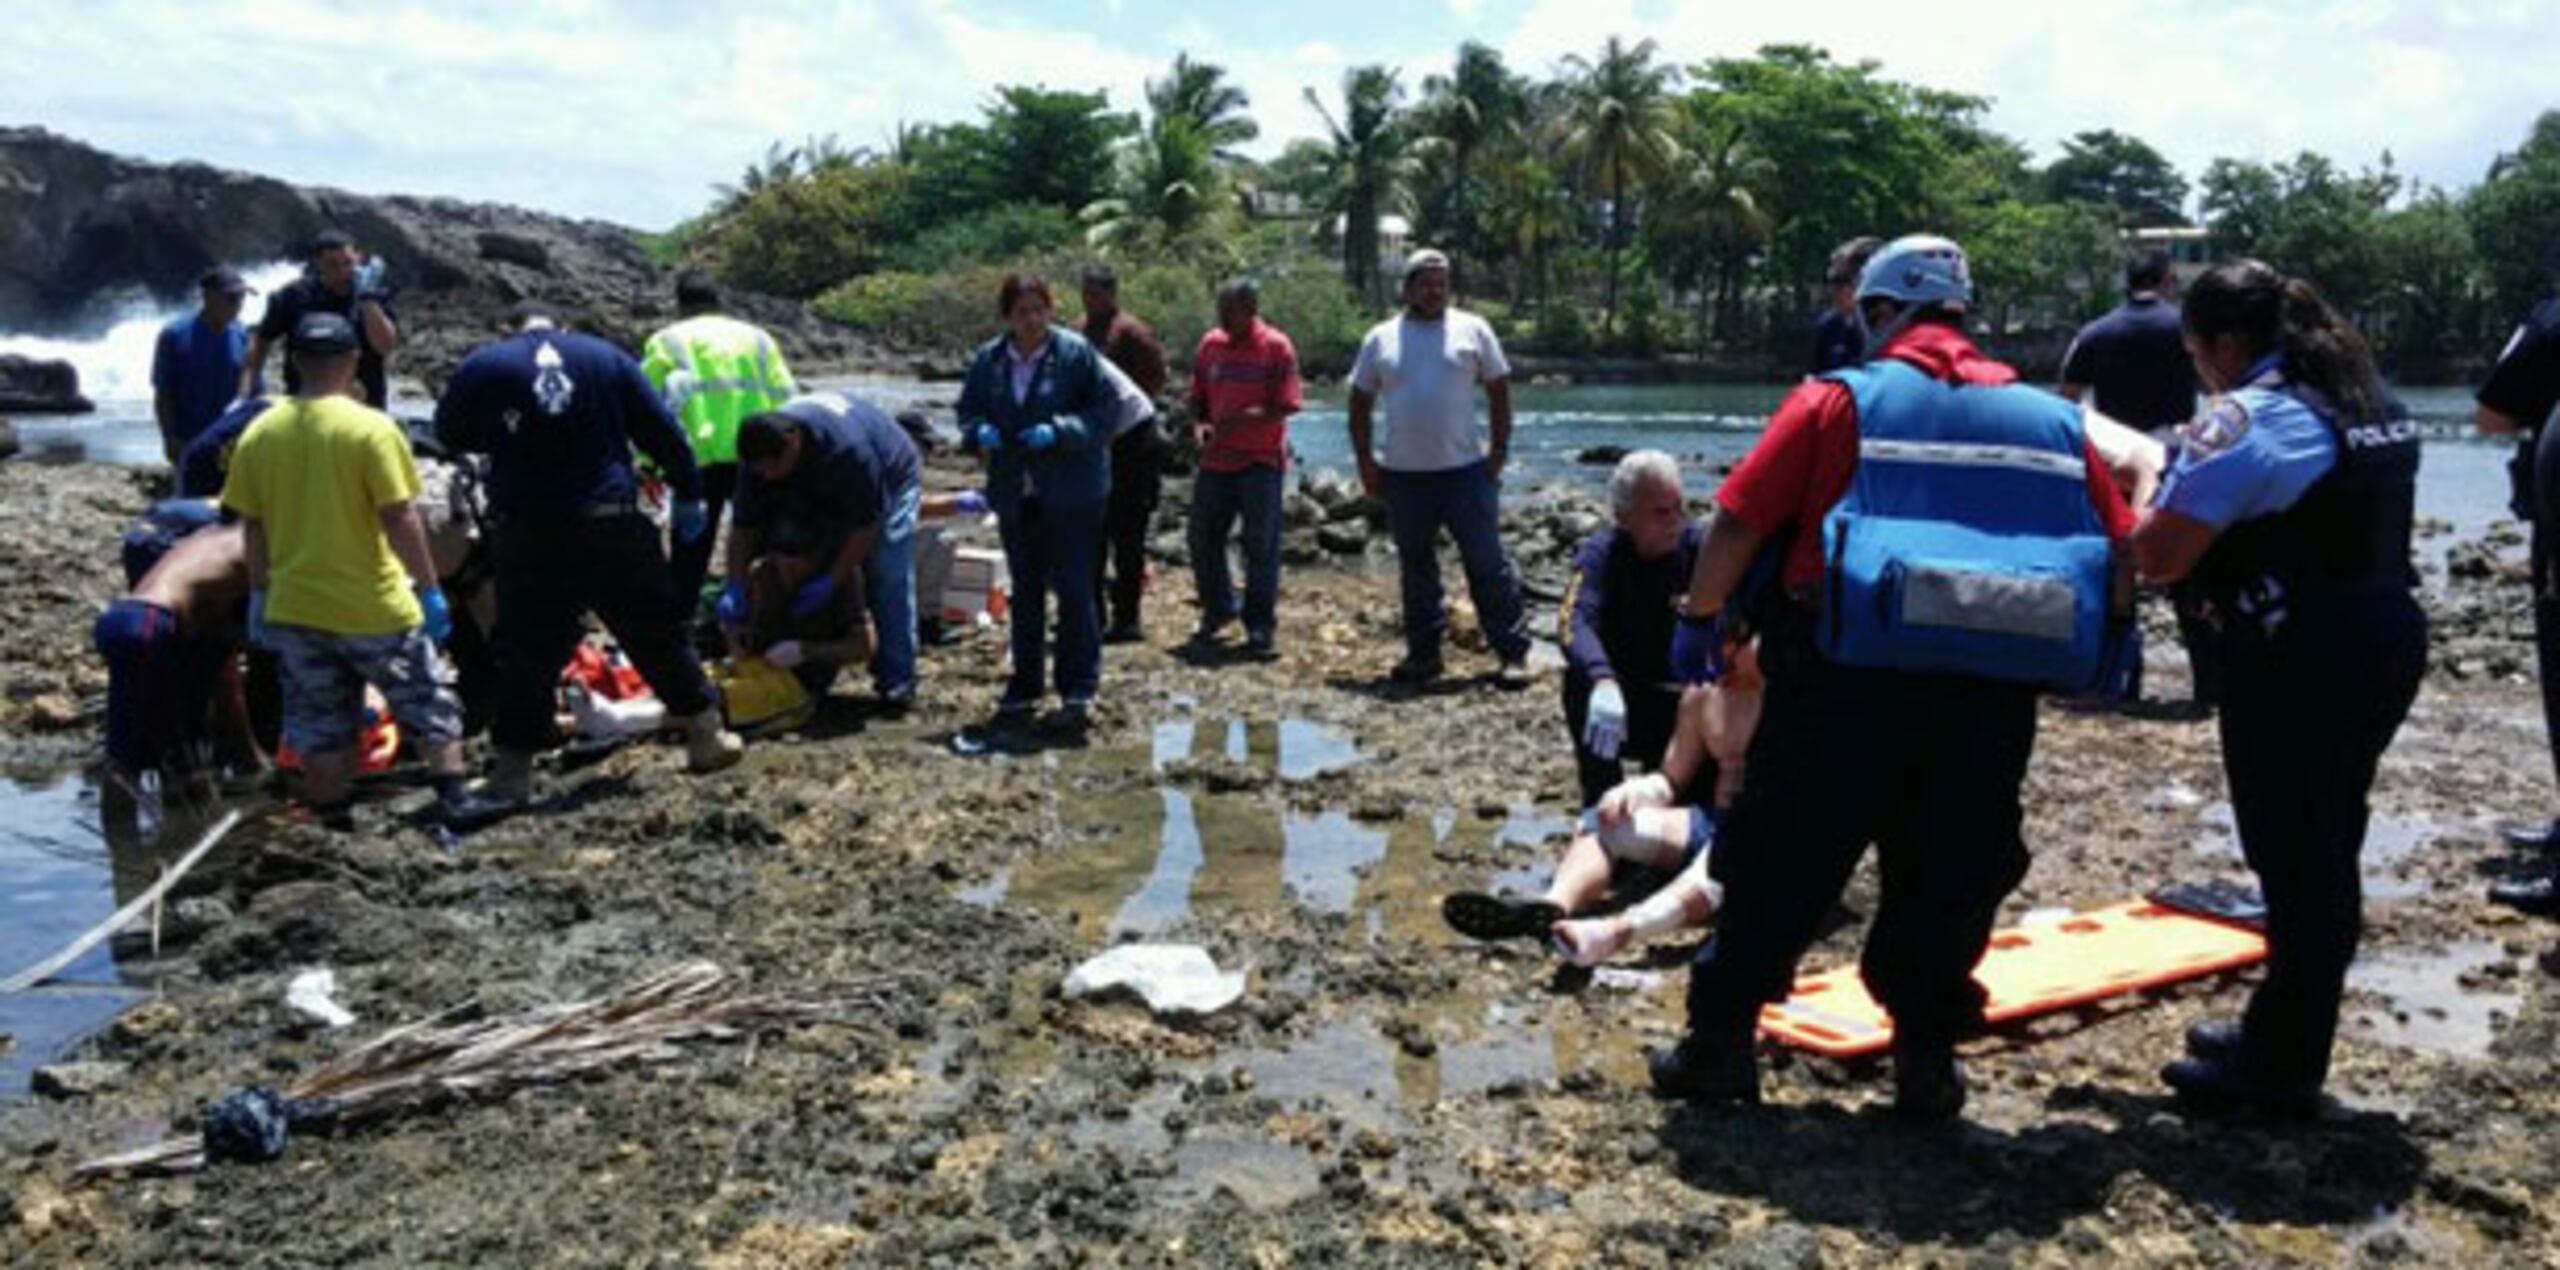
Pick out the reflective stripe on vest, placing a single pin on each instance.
(1973, 454)
(715, 372)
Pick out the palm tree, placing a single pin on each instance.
(1168, 184)
(1708, 205)
(1528, 210)
(1482, 104)
(1200, 92)
(1367, 169)
(1617, 126)
(780, 166)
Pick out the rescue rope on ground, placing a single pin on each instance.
(146, 902)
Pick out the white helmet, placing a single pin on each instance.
(1918, 269)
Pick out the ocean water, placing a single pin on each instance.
(1706, 426)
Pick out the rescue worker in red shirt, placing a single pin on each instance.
(1951, 546)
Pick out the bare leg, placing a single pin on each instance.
(1686, 903)
(1582, 877)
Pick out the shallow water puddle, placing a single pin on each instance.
(2392, 849)
(57, 879)
(2429, 1005)
(1144, 862)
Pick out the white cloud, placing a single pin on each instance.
(2443, 87)
(632, 108)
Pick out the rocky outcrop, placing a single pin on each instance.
(79, 227)
(29, 386)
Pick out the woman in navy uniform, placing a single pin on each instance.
(2290, 508)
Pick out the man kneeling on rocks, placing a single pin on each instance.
(1656, 826)
(172, 650)
(1620, 697)
(558, 413)
(822, 543)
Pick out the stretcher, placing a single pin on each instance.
(2028, 971)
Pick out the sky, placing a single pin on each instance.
(631, 110)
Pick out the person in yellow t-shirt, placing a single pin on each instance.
(342, 587)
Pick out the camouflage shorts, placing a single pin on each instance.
(324, 676)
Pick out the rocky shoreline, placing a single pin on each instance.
(80, 227)
(1383, 1094)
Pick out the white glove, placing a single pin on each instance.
(1606, 728)
(786, 654)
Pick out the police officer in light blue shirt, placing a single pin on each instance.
(2290, 508)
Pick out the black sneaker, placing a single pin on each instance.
(2543, 835)
(1260, 646)
(1927, 1085)
(1124, 633)
(2536, 895)
(1704, 1071)
(1512, 675)
(2216, 1085)
(1413, 673)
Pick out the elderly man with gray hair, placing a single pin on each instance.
(1621, 699)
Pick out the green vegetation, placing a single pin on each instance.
(1629, 205)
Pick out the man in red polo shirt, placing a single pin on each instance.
(1244, 387)
(1924, 764)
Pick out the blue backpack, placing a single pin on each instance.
(1966, 543)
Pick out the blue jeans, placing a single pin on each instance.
(1217, 499)
(1467, 501)
(889, 588)
(1052, 551)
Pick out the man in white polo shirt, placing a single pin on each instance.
(1435, 467)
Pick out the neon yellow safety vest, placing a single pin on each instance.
(714, 372)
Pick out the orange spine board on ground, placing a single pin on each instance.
(2028, 971)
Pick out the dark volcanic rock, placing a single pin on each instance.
(8, 439)
(79, 226)
(29, 386)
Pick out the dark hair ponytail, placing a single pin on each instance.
(2269, 311)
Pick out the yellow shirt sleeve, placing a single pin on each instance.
(391, 471)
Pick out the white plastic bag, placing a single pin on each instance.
(1170, 978)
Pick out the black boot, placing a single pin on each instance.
(2215, 1039)
(1927, 1086)
(2213, 1084)
(1719, 1069)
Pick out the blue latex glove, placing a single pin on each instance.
(813, 595)
(969, 502)
(690, 519)
(732, 608)
(989, 440)
(257, 619)
(1697, 648)
(1039, 436)
(439, 613)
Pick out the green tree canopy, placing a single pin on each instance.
(2109, 169)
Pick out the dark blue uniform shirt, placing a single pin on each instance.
(855, 462)
(206, 461)
(1618, 615)
(558, 413)
(1839, 339)
(2525, 385)
(2135, 364)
